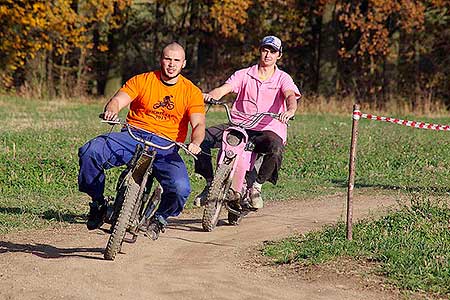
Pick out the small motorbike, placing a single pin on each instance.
(136, 198)
(235, 159)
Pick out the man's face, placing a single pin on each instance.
(268, 56)
(172, 61)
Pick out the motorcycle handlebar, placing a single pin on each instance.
(212, 101)
(148, 143)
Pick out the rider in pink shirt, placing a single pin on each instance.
(254, 94)
(259, 88)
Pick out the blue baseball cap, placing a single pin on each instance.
(271, 41)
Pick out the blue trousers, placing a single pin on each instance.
(116, 149)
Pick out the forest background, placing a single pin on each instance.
(370, 51)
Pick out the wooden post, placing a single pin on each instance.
(351, 173)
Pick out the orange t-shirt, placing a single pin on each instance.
(160, 108)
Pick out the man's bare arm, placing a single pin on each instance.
(218, 92)
(115, 105)
(292, 100)
(198, 124)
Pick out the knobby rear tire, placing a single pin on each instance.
(216, 195)
(123, 220)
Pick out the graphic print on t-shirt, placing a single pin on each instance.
(173, 104)
(166, 102)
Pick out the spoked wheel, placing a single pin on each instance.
(216, 195)
(130, 195)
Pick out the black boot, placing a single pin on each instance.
(97, 213)
(156, 226)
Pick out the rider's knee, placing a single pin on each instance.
(87, 154)
(90, 149)
(83, 150)
(276, 150)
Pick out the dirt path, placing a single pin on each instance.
(185, 263)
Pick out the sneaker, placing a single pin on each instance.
(97, 213)
(155, 228)
(200, 199)
(256, 200)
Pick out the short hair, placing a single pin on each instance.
(173, 44)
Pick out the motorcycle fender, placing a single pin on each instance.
(229, 151)
(141, 167)
(244, 158)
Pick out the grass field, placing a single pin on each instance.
(409, 247)
(39, 163)
(39, 166)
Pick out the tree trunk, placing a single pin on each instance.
(327, 59)
(50, 86)
(113, 80)
(116, 56)
(98, 62)
(418, 90)
(160, 12)
(390, 72)
(80, 87)
(194, 35)
(62, 78)
(314, 63)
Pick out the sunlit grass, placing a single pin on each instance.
(411, 246)
(40, 141)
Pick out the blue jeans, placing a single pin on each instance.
(116, 149)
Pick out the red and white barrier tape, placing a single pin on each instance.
(422, 125)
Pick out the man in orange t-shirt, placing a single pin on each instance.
(161, 103)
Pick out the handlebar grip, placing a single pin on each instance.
(112, 122)
(213, 101)
(185, 148)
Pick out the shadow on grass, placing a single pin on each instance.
(50, 214)
(49, 251)
(430, 189)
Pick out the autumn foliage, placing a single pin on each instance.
(372, 49)
(53, 30)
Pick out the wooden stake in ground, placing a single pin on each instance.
(351, 173)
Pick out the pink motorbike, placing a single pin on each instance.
(235, 159)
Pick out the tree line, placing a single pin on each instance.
(374, 50)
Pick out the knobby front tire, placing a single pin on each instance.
(130, 196)
(216, 195)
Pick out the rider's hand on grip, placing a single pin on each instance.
(208, 99)
(286, 116)
(189, 149)
(109, 116)
(194, 148)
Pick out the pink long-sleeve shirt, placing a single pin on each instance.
(254, 95)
